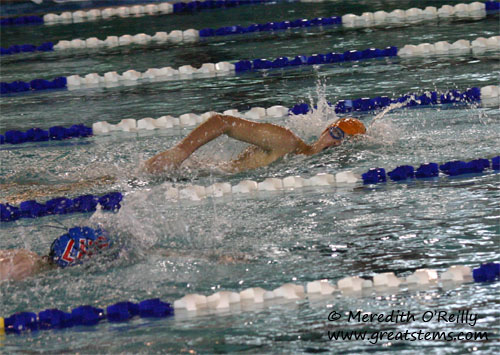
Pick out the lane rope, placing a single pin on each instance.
(412, 16)
(179, 192)
(188, 72)
(247, 299)
(487, 95)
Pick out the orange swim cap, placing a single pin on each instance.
(350, 126)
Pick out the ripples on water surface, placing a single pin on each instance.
(274, 237)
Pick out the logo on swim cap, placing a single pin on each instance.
(69, 248)
(350, 126)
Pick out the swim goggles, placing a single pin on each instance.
(71, 247)
(336, 133)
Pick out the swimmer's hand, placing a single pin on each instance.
(169, 159)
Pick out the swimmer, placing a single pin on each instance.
(72, 248)
(69, 249)
(269, 142)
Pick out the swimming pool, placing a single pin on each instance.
(276, 237)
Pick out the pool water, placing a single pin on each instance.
(167, 249)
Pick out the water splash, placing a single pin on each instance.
(383, 130)
(320, 115)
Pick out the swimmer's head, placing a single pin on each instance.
(335, 133)
(78, 243)
(349, 126)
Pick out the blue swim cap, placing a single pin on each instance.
(69, 248)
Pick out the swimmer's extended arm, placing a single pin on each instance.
(17, 264)
(267, 136)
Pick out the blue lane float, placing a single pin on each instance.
(193, 6)
(429, 170)
(21, 20)
(85, 315)
(25, 48)
(315, 59)
(270, 26)
(409, 100)
(40, 135)
(60, 206)
(33, 85)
